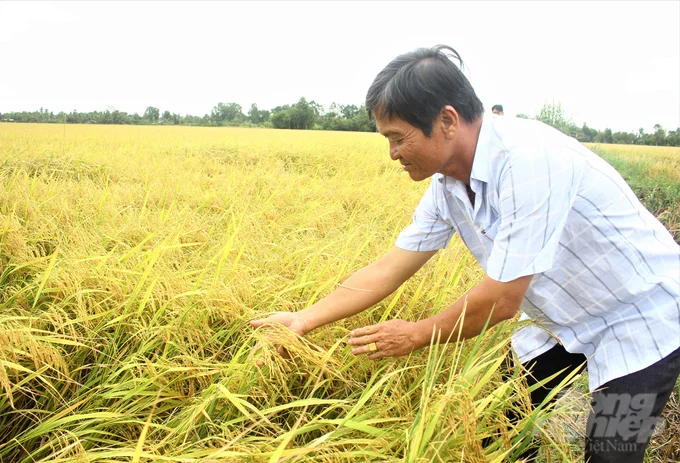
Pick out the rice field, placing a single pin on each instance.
(132, 259)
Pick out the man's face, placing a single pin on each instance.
(497, 112)
(419, 155)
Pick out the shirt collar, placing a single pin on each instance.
(480, 164)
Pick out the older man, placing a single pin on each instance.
(558, 233)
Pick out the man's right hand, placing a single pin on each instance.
(291, 320)
(364, 288)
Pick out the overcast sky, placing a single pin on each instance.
(610, 64)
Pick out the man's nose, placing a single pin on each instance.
(394, 152)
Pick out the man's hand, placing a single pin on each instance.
(291, 320)
(363, 289)
(392, 338)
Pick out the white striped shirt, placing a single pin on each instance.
(606, 272)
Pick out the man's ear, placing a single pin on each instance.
(449, 121)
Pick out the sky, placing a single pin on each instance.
(610, 64)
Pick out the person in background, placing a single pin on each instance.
(497, 109)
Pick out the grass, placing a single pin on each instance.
(132, 258)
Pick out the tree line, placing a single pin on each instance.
(302, 115)
(309, 115)
(555, 116)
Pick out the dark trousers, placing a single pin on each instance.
(624, 409)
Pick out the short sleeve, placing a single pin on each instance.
(536, 192)
(427, 231)
(530, 341)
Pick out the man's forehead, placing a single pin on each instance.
(387, 126)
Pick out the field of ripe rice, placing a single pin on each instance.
(132, 258)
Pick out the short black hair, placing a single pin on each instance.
(416, 86)
(499, 107)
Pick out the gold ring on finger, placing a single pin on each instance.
(372, 347)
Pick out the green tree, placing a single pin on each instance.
(585, 135)
(119, 117)
(673, 138)
(361, 121)
(152, 114)
(623, 138)
(593, 133)
(227, 112)
(73, 117)
(302, 115)
(333, 110)
(281, 117)
(554, 116)
(264, 115)
(659, 135)
(349, 111)
(254, 114)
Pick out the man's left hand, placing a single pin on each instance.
(392, 338)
